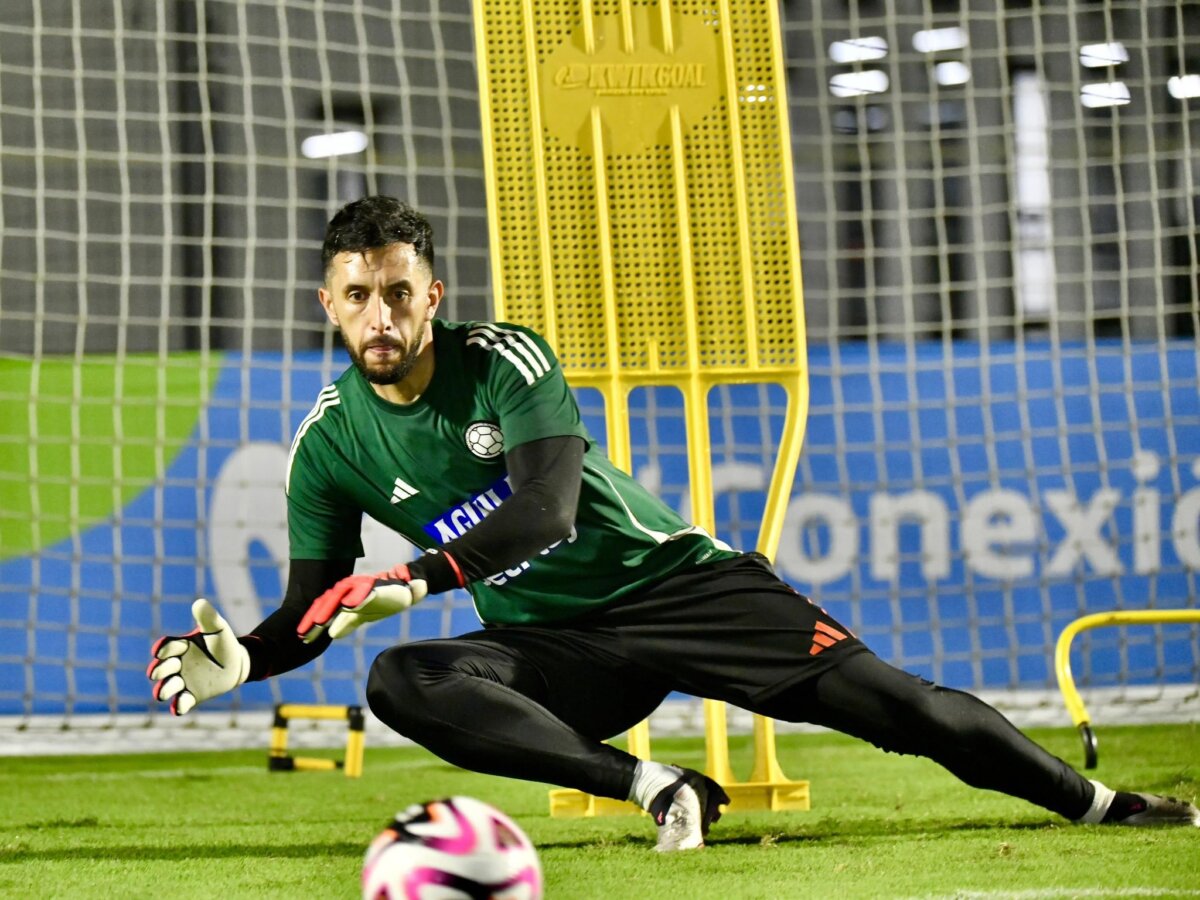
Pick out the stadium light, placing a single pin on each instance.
(1035, 270)
(1183, 86)
(951, 73)
(858, 49)
(858, 84)
(1104, 93)
(749, 95)
(341, 143)
(1096, 56)
(933, 40)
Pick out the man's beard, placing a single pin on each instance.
(391, 372)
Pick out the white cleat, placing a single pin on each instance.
(684, 810)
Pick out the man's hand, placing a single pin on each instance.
(360, 599)
(191, 668)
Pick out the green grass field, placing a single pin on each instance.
(218, 825)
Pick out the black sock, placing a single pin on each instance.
(1123, 806)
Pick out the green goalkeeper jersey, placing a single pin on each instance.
(433, 469)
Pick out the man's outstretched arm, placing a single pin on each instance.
(545, 476)
(273, 644)
(211, 660)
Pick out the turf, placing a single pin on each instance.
(218, 825)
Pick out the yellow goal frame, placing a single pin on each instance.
(642, 217)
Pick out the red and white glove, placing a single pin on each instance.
(360, 599)
(191, 668)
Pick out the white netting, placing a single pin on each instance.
(1001, 277)
(1002, 269)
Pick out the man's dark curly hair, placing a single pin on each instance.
(375, 222)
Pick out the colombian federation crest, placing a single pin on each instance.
(485, 439)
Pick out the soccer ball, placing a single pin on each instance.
(452, 849)
(485, 440)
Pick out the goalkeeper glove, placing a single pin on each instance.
(360, 599)
(191, 668)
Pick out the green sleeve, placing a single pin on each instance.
(321, 524)
(533, 401)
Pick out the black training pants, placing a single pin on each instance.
(535, 703)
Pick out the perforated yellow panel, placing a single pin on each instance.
(640, 186)
(642, 218)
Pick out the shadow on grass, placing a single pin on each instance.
(875, 831)
(140, 853)
(829, 834)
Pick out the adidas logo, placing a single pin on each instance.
(824, 636)
(403, 490)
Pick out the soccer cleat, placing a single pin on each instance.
(1146, 810)
(684, 810)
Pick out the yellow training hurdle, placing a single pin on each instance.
(279, 760)
(1062, 661)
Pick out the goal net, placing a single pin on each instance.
(998, 211)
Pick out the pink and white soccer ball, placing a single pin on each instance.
(458, 848)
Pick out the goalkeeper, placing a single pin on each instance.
(596, 599)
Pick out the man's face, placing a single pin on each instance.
(382, 301)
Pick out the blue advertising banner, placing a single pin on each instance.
(956, 505)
